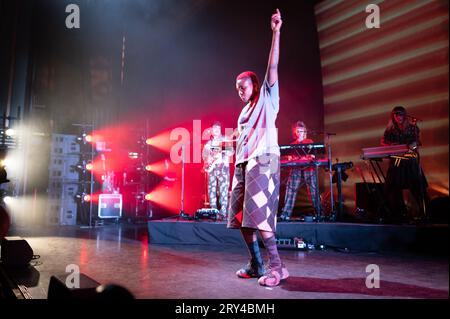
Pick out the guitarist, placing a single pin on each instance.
(216, 156)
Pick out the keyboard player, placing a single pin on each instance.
(406, 173)
(300, 176)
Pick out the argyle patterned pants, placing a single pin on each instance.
(255, 194)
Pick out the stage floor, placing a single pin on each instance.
(122, 254)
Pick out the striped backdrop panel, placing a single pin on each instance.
(366, 72)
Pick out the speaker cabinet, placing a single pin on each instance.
(370, 198)
(58, 289)
(15, 252)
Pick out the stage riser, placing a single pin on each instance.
(354, 237)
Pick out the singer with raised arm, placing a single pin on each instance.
(404, 172)
(300, 176)
(256, 180)
(216, 156)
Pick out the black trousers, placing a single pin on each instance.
(407, 175)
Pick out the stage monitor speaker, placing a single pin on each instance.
(57, 288)
(15, 252)
(368, 197)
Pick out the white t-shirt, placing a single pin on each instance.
(215, 152)
(256, 125)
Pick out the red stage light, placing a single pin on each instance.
(160, 168)
(148, 196)
(87, 198)
(89, 166)
(148, 141)
(88, 138)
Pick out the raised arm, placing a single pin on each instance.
(272, 67)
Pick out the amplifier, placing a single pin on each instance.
(369, 197)
(110, 206)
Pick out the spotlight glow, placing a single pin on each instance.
(148, 196)
(89, 166)
(159, 168)
(8, 200)
(88, 138)
(87, 198)
(148, 141)
(10, 132)
(12, 163)
(5, 162)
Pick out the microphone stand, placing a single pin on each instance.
(422, 204)
(330, 173)
(182, 214)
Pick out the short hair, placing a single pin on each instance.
(249, 74)
(216, 123)
(253, 77)
(299, 124)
